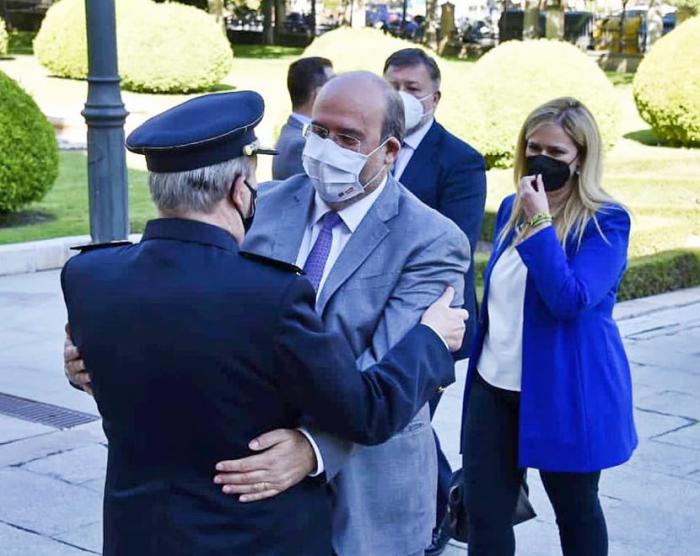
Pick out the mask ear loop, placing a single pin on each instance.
(366, 185)
(231, 193)
(577, 171)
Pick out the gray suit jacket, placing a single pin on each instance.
(396, 263)
(290, 146)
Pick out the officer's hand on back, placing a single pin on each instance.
(447, 322)
(74, 366)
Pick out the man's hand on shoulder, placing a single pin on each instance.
(74, 366)
(286, 458)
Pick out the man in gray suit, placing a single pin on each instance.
(388, 257)
(304, 79)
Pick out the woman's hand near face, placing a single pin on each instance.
(533, 196)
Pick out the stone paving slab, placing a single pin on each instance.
(88, 537)
(15, 429)
(18, 542)
(73, 466)
(45, 505)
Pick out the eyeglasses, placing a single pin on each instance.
(341, 139)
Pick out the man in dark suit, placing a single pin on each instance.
(304, 79)
(448, 175)
(195, 347)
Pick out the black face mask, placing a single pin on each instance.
(555, 173)
(248, 220)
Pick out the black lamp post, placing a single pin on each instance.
(105, 114)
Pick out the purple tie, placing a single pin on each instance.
(316, 261)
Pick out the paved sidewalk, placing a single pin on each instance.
(51, 480)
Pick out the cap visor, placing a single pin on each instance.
(266, 151)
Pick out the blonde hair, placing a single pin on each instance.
(587, 194)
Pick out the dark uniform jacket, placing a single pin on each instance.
(194, 349)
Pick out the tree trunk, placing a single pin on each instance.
(554, 23)
(358, 14)
(313, 19)
(622, 44)
(268, 31)
(430, 19)
(280, 16)
(216, 8)
(531, 20)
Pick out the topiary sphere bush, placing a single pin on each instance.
(162, 48)
(518, 76)
(367, 49)
(359, 49)
(29, 159)
(667, 86)
(3, 37)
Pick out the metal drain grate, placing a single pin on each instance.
(44, 413)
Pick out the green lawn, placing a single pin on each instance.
(64, 211)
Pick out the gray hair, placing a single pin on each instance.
(197, 190)
(394, 124)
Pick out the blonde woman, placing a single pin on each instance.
(549, 384)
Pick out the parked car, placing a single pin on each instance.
(376, 15)
(478, 32)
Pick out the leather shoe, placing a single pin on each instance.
(440, 539)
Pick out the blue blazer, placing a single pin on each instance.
(449, 175)
(576, 397)
(194, 349)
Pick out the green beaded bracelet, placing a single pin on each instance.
(538, 219)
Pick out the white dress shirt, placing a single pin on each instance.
(410, 144)
(500, 363)
(351, 217)
(301, 118)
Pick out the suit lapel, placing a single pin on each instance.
(288, 231)
(368, 235)
(423, 158)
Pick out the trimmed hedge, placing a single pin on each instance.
(663, 272)
(29, 160)
(163, 48)
(4, 38)
(667, 86)
(367, 49)
(518, 76)
(646, 275)
(360, 49)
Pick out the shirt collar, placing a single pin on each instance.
(301, 118)
(417, 136)
(351, 215)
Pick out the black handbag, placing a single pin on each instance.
(457, 511)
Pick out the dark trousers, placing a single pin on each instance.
(493, 480)
(444, 469)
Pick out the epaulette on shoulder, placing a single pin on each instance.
(282, 265)
(95, 246)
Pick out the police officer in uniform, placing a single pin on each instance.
(194, 347)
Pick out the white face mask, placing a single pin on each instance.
(335, 171)
(414, 111)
